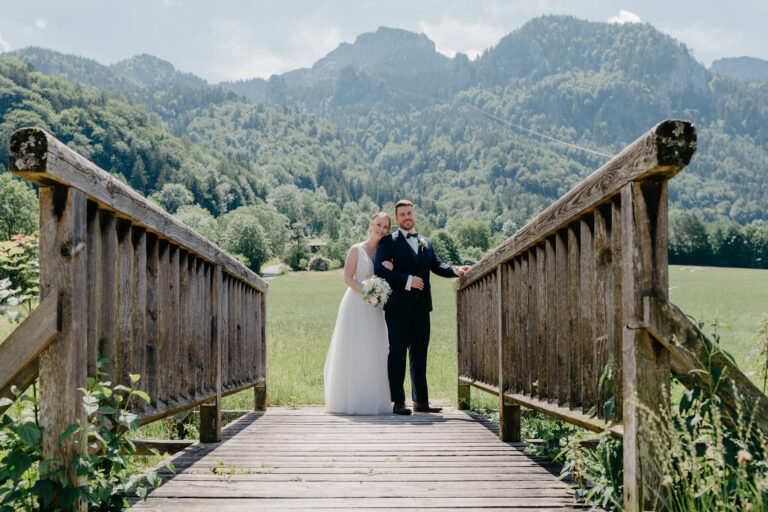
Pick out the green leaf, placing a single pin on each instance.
(44, 489)
(135, 378)
(30, 433)
(106, 410)
(142, 395)
(68, 432)
(5, 402)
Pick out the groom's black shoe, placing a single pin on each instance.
(400, 408)
(419, 407)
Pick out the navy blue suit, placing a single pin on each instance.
(407, 311)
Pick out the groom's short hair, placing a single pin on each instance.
(403, 202)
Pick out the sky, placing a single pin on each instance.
(240, 39)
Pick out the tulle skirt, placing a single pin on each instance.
(355, 373)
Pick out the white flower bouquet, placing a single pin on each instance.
(376, 291)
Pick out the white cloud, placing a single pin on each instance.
(708, 43)
(41, 23)
(624, 17)
(253, 53)
(451, 36)
(3, 45)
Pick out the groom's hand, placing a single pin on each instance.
(460, 270)
(417, 282)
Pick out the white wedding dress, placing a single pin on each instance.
(355, 372)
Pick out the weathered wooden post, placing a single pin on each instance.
(645, 362)
(210, 412)
(509, 414)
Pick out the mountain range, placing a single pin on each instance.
(388, 115)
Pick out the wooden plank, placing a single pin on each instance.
(174, 327)
(25, 344)
(574, 316)
(184, 330)
(562, 320)
(163, 322)
(139, 307)
(618, 312)
(63, 365)
(646, 370)
(22, 380)
(38, 157)
(525, 327)
(152, 368)
(551, 319)
(263, 376)
(124, 335)
(171, 446)
(516, 337)
(507, 326)
(691, 352)
(95, 272)
(541, 319)
(603, 299)
(662, 152)
(587, 306)
(109, 272)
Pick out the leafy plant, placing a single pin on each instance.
(29, 480)
(20, 286)
(598, 474)
(554, 434)
(760, 351)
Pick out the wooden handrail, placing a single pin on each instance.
(657, 155)
(42, 159)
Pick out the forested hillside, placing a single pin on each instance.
(389, 116)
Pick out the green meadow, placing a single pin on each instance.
(302, 306)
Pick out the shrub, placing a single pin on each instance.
(320, 264)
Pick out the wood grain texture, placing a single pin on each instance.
(23, 346)
(574, 317)
(660, 153)
(304, 459)
(95, 275)
(42, 159)
(139, 308)
(151, 377)
(63, 365)
(124, 334)
(618, 311)
(562, 320)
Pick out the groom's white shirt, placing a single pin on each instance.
(413, 242)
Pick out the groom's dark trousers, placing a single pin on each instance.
(407, 311)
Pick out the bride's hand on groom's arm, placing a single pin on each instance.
(387, 265)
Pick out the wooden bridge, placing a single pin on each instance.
(582, 285)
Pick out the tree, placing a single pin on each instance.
(297, 252)
(199, 219)
(173, 196)
(446, 247)
(18, 207)
(243, 235)
(471, 233)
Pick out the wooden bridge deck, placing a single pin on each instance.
(307, 460)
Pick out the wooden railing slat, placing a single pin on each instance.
(574, 316)
(551, 319)
(105, 345)
(124, 324)
(603, 305)
(95, 286)
(151, 377)
(139, 308)
(164, 319)
(587, 305)
(618, 311)
(561, 318)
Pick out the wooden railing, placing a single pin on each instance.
(583, 285)
(125, 281)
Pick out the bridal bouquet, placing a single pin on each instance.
(376, 291)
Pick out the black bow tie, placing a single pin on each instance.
(409, 235)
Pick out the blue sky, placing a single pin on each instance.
(236, 39)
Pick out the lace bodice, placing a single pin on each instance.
(364, 268)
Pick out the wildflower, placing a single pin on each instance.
(667, 480)
(743, 456)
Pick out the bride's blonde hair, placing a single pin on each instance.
(377, 216)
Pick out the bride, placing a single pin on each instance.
(355, 372)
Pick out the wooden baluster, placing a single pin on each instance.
(64, 363)
(139, 308)
(541, 319)
(152, 373)
(184, 331)
(525, 322)
(462, 390)
(124, 338)
(164, 322)
(551, 319)
(646, 368)
(509, 414)
(517, 318)
(210, 412)
(508, 333)
(251, 340)
(261, 390)
(603, 305)
(227, 334)
(618, 314)
(587, 306)
(492, 339)
(563, 339)
(94, 284)
(574, 316)
(108, 327)
(174, 326)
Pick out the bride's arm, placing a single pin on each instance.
(350, 266)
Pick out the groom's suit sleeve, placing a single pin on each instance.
(395, 279)
(437, 266)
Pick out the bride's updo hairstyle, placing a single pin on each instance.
(377, 216)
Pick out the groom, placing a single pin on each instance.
(407, 310)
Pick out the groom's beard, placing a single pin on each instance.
(407, 226)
